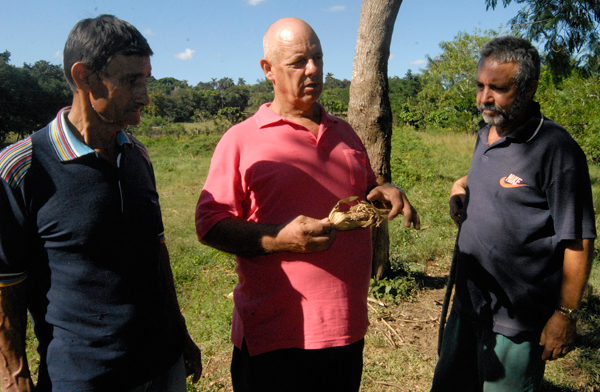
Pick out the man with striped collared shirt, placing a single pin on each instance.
(82, 244)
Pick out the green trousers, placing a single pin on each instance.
(473, 358)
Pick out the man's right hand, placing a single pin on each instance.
(302, 235)
(14, 370)
(457, 198)
(18, 384)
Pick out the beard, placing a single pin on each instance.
(504, 116)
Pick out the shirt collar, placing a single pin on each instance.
(265, 117)
(66, 146)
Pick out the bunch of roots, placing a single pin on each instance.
(362, 214)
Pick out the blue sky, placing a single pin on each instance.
(199, 40)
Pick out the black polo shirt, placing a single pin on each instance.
(526, 194)
(85, 238)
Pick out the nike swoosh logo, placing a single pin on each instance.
(504, 184)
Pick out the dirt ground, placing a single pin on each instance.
(400, 348)
(414, 323)
(401, 344)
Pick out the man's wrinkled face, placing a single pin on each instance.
(298, 67)
(119, 93)
(498, 97)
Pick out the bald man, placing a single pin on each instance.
(300, 312)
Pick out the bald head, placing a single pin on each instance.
(294, 63)
(285, 32)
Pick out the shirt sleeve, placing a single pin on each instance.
(222, 194)
(14, 240)
(144, 151)
(570, 201)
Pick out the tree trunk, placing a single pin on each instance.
(369, 110)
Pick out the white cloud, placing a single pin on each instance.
(58, 54)
(148, 32)
(255, 2)
(391, 57)
(417, 62)
(186, 56)
(337, 8)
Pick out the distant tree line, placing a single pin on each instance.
(30, 96)
(441, 96)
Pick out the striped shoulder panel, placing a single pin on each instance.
(15, 160)
(140, 147)
(7, 280)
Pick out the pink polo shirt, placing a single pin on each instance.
(270, 170)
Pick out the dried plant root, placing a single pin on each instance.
(363, 214)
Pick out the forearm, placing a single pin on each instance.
(558, 336)
(576, 271)
(14, 369)
(241, 238)
(459, 187)
(301, 235)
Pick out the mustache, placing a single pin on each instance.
(490, 107)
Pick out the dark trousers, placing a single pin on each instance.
(335, 369)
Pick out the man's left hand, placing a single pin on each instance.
(192, 358)
(558, 337)
(391, 194)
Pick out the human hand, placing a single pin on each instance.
(304, 235)
(456, 207)
(558, 337)
(192, 358)
(457, 198)
(391, 194)
(21, 383)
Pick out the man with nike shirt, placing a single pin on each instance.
(525, 244)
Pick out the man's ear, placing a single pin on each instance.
(81, 75)
(531, 89)
(267, 69)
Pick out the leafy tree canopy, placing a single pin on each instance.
(445, 92)
(30, 96)
(568, 29)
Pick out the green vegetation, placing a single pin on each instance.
(568, 30)
(30, 96)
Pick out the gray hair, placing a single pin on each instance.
(511, 49)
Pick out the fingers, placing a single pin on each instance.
(192, 359)
(320, 235)
(391, 194)
(305, 235)
(556, 353)
(412, 217)
(193, 369)
(456, 208)
(558, 337)
(455, 216)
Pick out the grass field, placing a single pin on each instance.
(425, 165)
(400, 345)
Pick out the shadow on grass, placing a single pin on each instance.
(549, 387)
(589, 324)
(427, 282)
(424, 281)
